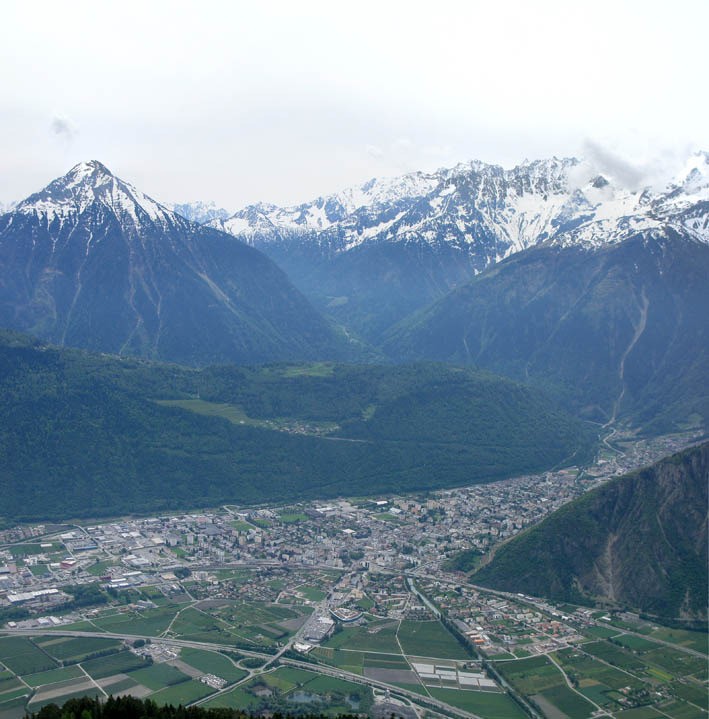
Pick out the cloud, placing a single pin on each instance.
(63, 128)
(655, 171)
(609, 163)
(373, 151)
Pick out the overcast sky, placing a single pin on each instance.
(240, 102)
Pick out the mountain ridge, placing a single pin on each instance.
(371, 255)
(639, 541)
(91, 261)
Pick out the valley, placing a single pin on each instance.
(349, 603)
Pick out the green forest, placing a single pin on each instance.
(88, 435)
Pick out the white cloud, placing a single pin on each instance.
(63, 128)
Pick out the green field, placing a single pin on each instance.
(113, 664)
(490, 705)
(21, 656)
(614, 655)
(149, 622)
(157, 676)
(78, 648)
(237, 698)
(531, 676)
(699, 641)
(692, 692)
(429, 639)
(182, 693)
(567, 701)
(53, 675)
(59, 700)
(27, 550)
(374, 637)
(212, 663)
(241, 526)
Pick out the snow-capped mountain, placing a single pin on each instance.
(201, 212)
(483, 206)
(91, 261)
(372, 254)
(7, 207)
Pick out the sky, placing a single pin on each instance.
(239, 102)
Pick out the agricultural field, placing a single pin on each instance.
(627, 675)
(32, 675)
(290, 689)
(429, 639)
(490, 705)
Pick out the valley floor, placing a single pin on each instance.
(344, 607)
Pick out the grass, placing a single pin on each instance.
(314, 594)
(212, 663)
(21, 656)
(293, 517)
(39, 570)
(601, 632)
(30, 549)
(692, 692)
(317, 369)
(36, 706)
(230, 412)
(638, 644)
(77, 648)
(429, 639)
(490, 705)
(374, 638)
(639, 713)
(150, 623)
(531, 676)
(568, 702)
(682, 710)
(53, 675)
(113, 664)
(158, 676)
(240, 526)
(614, 655)
(182, 693)
(699, 641)
(238, 698)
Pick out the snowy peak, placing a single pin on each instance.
(200, 212)
(485, 210)
(89, 184)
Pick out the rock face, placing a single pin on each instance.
(370, 255)
(90, 261)
(639, 541)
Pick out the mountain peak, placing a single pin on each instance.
(91, 183)
(88, 170)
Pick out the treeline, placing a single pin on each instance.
(128, 707)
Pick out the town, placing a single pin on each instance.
(365, 589)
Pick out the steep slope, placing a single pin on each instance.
(90, 261)
(88, 435)
(370, 255)
(621, 331)
(639, 541)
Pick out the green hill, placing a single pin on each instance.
(639, 541)
(91, 435)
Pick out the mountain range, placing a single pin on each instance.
(549, 273)
(639, 541)
(369, 256)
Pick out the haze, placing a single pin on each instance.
(281, 102)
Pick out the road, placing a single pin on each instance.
(318, 668)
